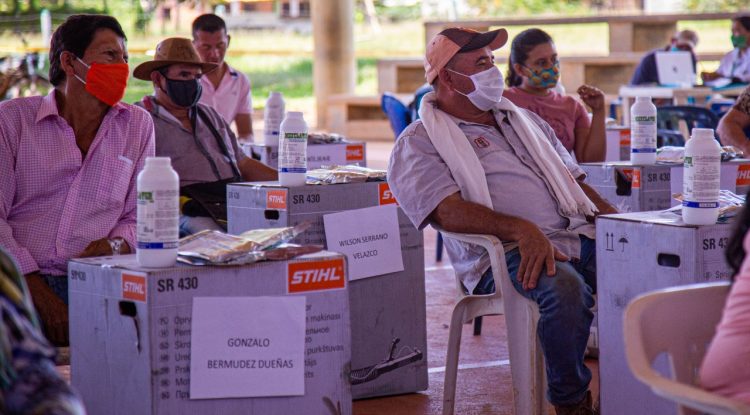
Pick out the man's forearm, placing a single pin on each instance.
(730, 130)
(254, 171)
(596, 149)
(454, 214)
(602, 205)
(244, 124)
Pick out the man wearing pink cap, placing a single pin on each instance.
(475, 163)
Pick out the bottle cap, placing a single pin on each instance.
(702, 133)
(642, 99)
(294, 114)
(158, 161)
(274, 94)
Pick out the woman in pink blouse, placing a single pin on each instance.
(726, 366)
(533, 72)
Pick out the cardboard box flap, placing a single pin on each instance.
(661, 217)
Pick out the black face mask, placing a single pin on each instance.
(184, 93)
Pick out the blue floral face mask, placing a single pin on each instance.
(545, 78)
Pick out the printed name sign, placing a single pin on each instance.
(368, 237)
(244, 347)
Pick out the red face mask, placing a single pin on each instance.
(106, 82)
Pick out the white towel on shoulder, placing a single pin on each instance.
(454, 148)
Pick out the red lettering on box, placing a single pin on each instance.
(386, 196)
(316, 275)
(355, 152)
(633, 176)
(743, 175)
(276, 199)
(134, 287)
(625, 137)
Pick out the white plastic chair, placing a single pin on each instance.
(521, 316)
(680, 322)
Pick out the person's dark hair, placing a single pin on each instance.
(522, 44)
(743, 20)
(209, 23)
(735, 252)
(75, 36)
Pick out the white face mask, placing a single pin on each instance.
(488, 88)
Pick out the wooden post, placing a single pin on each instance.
(334, 67)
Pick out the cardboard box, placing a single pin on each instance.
(631, 188)
(735, 177)
(269, 205)
(618, 144)
(317, 154)
(637, 253)
(382, 307)
(130, 335)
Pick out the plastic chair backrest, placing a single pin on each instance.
(669, 117)
(397, 112)
(680, 322)
(418, 95)
(669, 138)
(522, 315)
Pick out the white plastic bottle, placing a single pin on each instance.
(158, 213)
(701, 179)
(273, 114)
(293, 150)
(643, 132)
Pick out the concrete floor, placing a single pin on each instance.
(484, 381)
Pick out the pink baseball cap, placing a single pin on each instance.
(455, 40)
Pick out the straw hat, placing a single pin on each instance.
(171, 51)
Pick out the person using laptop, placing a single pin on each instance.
(533, 74)
(647, 73)
(735, 65)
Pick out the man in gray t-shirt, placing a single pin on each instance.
(199, 141)
(550, 254)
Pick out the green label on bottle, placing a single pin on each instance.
(295, 135)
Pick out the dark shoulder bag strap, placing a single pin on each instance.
(220, 142)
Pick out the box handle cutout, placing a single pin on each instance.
(668, 260)
(128, 309)
(271, 214)
(623, 186)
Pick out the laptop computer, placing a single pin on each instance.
(675, 69)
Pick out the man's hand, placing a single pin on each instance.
(52, 310)
(536, 252)
(101, 247)
(710, 76)
(591, 96)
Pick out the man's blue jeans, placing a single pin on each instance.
(565, 302)
(193, 224)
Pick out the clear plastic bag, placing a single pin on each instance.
(218, 248)
(344, 174)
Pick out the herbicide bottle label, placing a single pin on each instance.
(158, 219)
(643, 134)
(702, 181)
(292, 155)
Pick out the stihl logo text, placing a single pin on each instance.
(315, 276)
